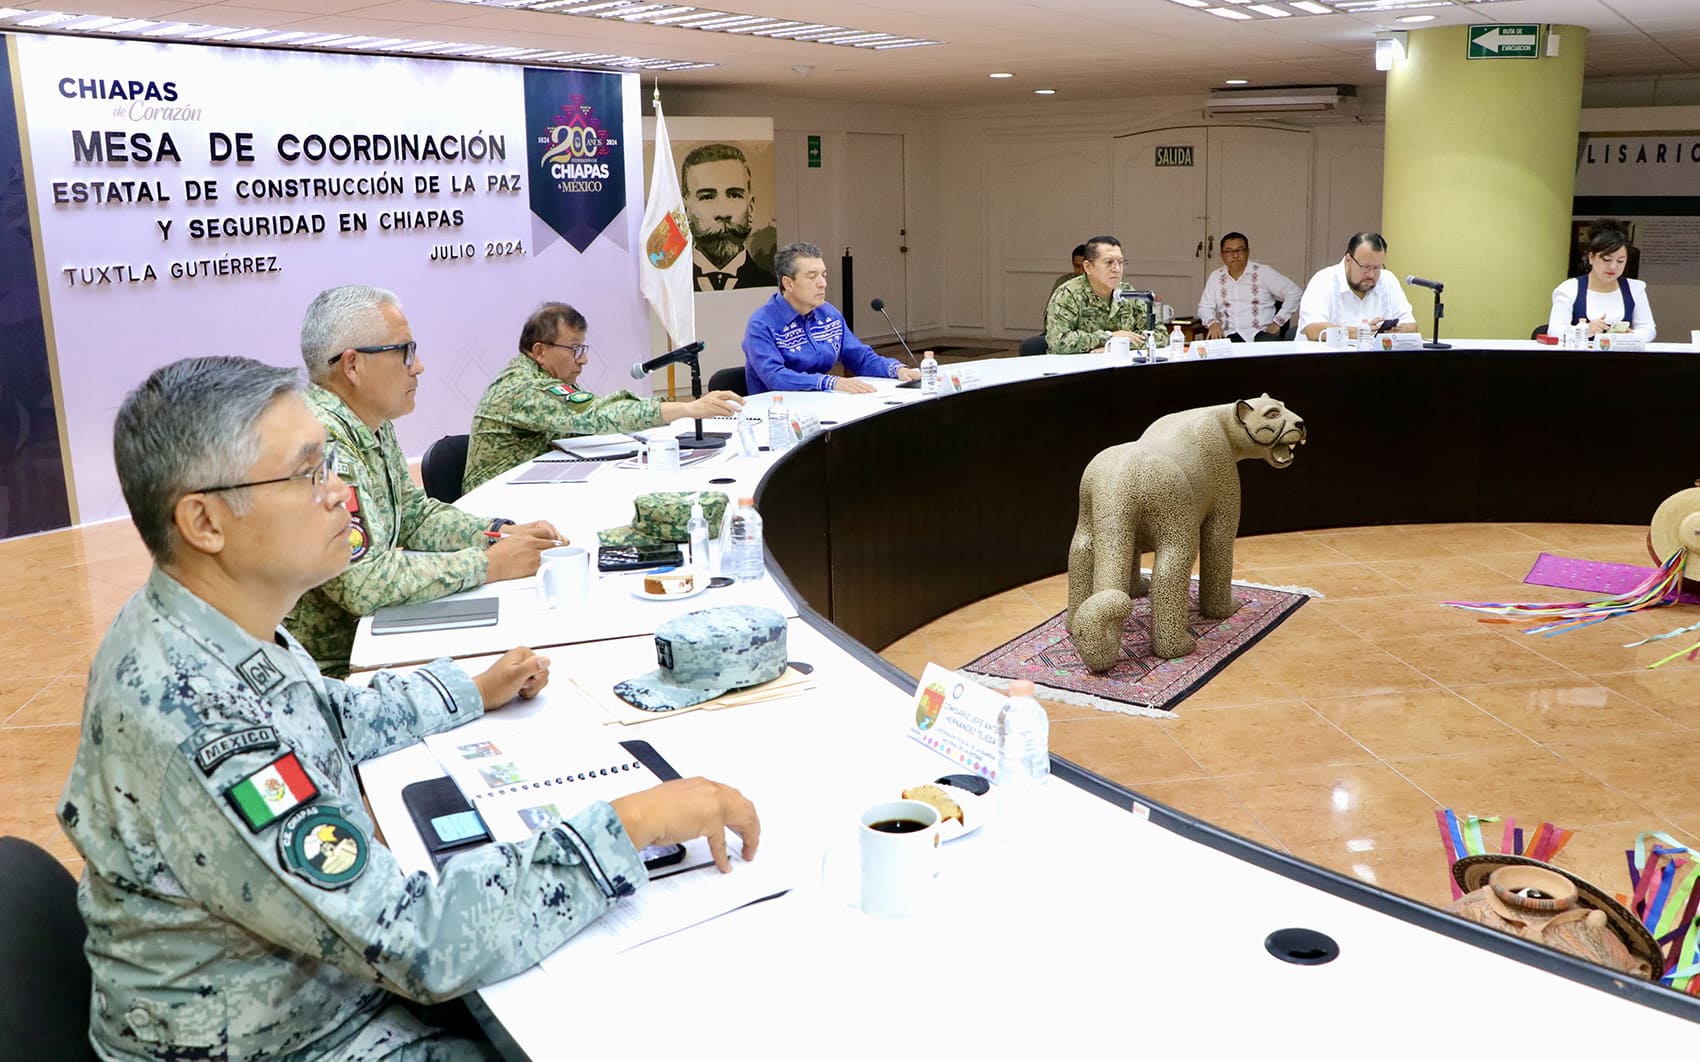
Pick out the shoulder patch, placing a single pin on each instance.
(318, 843)
(358, 538)
(581, 398)
(557, 389)
(261, 675)
(271, 792)
(220, 749)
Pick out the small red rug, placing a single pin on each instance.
(1139, 683)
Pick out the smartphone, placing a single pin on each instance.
(1387, 326)
(634, 558)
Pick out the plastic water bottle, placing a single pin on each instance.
(1177, 342)
(696, 530)
(1150, 344)
(745, 563)
(778, 426)
(929, 374)
(1024, 757)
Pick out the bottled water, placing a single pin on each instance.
(1177, 341)
(929, 374)
(778, 426)
(696, 530)
(747, 436)
(745, 563)
(1024, 757)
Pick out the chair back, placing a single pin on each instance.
(1540, 330)
(44, 976)
(1034, 346)
(730, 379)
(444, 467)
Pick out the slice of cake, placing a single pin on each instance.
(669, 583)
(938, 798)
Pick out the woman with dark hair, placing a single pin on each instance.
(1603, 298)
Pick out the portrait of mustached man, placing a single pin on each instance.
(720, 199)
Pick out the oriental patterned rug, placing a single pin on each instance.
(1139, 683)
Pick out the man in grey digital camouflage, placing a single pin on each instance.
(535, 399)
(238, 904)
(406, 547)
(1084, 313)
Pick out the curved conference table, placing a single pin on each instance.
(1123, 928)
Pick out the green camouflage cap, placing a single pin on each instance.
(661, 517)
(704, 654)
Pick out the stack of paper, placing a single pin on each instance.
(598, 447)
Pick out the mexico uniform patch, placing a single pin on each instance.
(320, 844)
(271, 792)
(571, 394)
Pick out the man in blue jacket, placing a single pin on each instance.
(796, 337)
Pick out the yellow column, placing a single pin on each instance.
(1480, 175)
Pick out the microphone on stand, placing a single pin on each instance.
(1439, 310)
(688, 352)
(879, 308)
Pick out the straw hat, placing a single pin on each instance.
(1676, 523)
(1472, 873)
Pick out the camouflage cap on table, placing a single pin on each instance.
(704, 654)
(662, 517)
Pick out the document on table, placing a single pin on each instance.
(598, 447)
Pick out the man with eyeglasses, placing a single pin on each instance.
(536, 399)
(1355, 291)
(238, 901)
(406, 547)
(1084, 313)
(1246, 301)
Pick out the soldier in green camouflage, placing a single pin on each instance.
(535, 399)
(239, 905)
(406, 546)
(1083, 313)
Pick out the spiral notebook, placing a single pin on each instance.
(523, 777)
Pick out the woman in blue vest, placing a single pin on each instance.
(1603, 297)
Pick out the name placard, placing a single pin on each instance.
(958, 719)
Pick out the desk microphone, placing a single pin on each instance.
(1432, 285)
(684, 353)
(879, 307)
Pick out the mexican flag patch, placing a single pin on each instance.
(271, 792)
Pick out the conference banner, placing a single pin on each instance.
(193, 200)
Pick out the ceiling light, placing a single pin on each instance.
(1000, 75)
(1044, 92)
(1228, 12)
(1193, 3)
(1236, 81)
(1415, 18)
(1271, 10)
(1311, 7)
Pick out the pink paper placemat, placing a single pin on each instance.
(1600, 577)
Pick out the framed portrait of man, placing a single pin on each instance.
(726, 179)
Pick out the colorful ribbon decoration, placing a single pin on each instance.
(1660, 588)
(1663, 877)
(1463, 837)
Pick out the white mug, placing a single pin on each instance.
(1694, 339)
(563, 577)
(661, 455)
(1334, 337)
(1119, 345)
(899, 869)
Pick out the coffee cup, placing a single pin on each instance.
(563, 577)
(899, 841)
(1120, 346)
(1334, 336)
(1694, 339)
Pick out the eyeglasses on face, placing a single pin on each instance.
(1111, 263)
(318, 475)
(408, 352)
(578, 350)
(1367, 268)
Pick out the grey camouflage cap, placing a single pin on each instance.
(704, 654)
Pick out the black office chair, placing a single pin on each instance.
(730, 379)
(1033, 346)
(44, 977)
(444, 467)
(1540, 330)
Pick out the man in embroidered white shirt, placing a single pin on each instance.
(1355, 291)
(1246, 301)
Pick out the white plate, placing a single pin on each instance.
(974, 812)
(700, 585)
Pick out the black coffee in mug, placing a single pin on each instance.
(897, 826)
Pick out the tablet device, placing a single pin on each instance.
(436, 616)
(909, 384)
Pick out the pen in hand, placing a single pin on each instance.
(496, 536)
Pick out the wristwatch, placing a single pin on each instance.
(498, 523)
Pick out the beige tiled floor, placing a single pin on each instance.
(1334, 738)
(1337, 736)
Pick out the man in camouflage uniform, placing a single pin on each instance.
(535, 399)
(406, 546)
(1083, 313)
(238, 905)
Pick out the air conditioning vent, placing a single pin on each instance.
(1309, 99)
